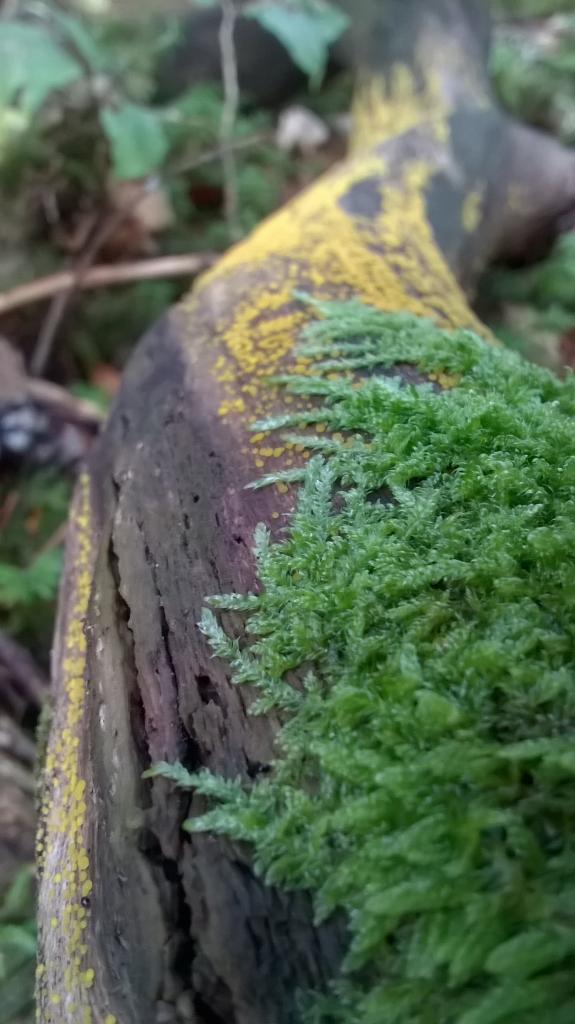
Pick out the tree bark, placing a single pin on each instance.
(140, 924)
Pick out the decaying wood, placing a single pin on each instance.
(140, 924)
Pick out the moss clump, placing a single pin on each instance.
(425, 778)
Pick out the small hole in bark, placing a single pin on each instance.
(207, 691)
(192, 755)
(170, 869)
(196, 498)
(205, 1013)
(256, 768)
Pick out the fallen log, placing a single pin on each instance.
(140, 923)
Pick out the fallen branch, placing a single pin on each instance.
(103, 277)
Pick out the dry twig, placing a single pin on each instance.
(229, 115)
(62, 299)
(103, 277)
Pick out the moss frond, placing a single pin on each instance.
(425, 781)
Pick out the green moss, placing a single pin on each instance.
(549, 284)
(423, 595)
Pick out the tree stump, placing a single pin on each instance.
(140, 924)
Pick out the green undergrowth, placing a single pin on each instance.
(33, 508)
(530, 8)
(18, 949)
(532, 72)
(532, 309)
(547, 285)
(415, 629)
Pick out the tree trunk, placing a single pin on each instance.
(139, 923)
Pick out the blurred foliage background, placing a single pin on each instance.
(98, 165)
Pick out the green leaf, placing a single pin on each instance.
(17, 968)
(32, 65)
(137, 140)
(18, 902)
(82, 40)
(19, 941)
(38, 580)
(306, 31)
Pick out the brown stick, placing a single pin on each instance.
(229, 115)
(105, 276)
(16, 661)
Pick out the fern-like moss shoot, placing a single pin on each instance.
(425, 775)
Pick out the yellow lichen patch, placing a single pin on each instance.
(362, 232)
(445, 380)
(518, 198)
(236, 405)
(63, 856)
(471, 210)
(316, 244)
(389, 105)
